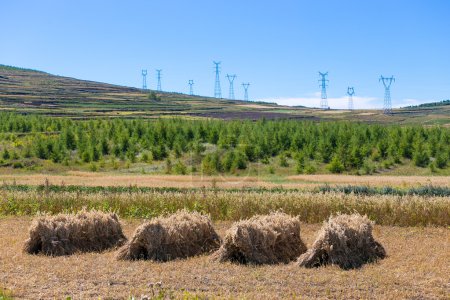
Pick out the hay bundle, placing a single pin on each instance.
(345, 240)
(66, 234)
(180, 235)
(270, 239)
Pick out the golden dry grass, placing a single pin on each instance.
(196, 181)
(416, 268)
(393, 181)
(234, 205)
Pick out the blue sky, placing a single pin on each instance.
(277, 46)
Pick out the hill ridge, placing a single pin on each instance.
(32, 91)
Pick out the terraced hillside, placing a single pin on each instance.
(30, 91)
(39, 92)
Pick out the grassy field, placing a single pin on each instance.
(416, 268)
(423, 206)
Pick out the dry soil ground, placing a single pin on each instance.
(417, 268)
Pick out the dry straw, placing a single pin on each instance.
(269, 239)
(180, 235)
(65, 234)
(345, 240)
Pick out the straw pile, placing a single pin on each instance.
(180, 235)
(269, 239)
(65, 234)
(345, 240)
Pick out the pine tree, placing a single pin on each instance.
(336, 165)
(5, 154)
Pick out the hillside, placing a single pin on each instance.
(30, 91)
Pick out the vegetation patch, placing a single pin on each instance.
(217, 146)
(426, 190)
(5, 294)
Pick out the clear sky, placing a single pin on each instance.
(277, 46)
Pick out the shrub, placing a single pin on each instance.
(168, 167)
(336, 166)
(240, 161)
(310, 169)
(180, 168)
(283, 161)
(5, 154)
(17, 165)
(441, 160)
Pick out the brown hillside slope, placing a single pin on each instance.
(29, 91)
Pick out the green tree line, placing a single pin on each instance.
(342, 146)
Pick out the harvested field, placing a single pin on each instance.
(417, 267)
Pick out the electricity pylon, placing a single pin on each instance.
(191, 89)
(231, 79)
(217, 88)
(158, 76)
(387, 106)
(246, 85)
(323, 84)
(144, 79)
(350, 93)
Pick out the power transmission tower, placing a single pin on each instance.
(144, 79)
(217, 88)
(387, 81)
(246, 85)
(191, 89)
(231, 79)
(350, 93)
(158, 76)
(323, 84)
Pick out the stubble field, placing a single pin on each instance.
(412, 214)
(416, 268)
